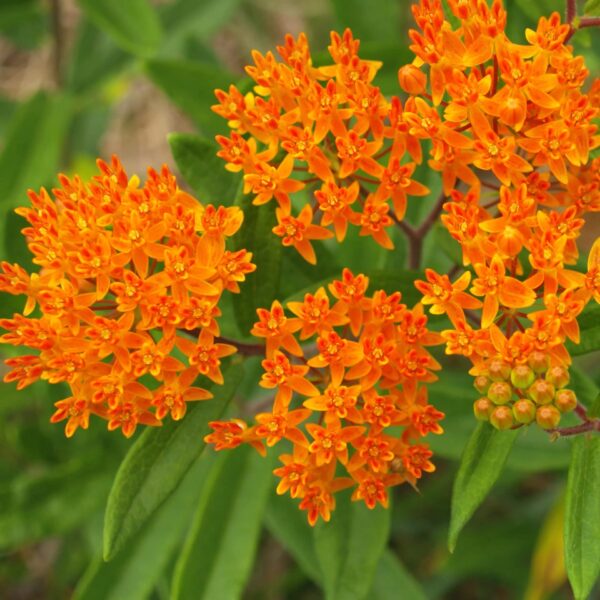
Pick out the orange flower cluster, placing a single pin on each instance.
(330, 124)
(359, 390)
(526, 126)
(123, 269)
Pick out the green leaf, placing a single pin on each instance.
(88, 70)
(133, 25)
(200, 19)
(32, 147)
(218, 555)
(392, 581)
(480, 467)
(288, 524)
(197, 159)
(589, 326)
(50, 503)
(582, 516)
(24, 22)
(591, 7)
(156, 463)
(140, 565)
(349, 548)
(190, 85)
(261, 287)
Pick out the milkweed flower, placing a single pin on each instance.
(124, 306)
(349, 373)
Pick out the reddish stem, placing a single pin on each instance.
(586, 427)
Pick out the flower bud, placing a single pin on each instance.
(482, 384)
(524, 411)
(547, 417)
(498, 370)
(502, 417)
(500, 392)
(522, 376)
(483, 409)
(541, 391)
(565, 400)
(558, 376)
(539, 361)
(412, 80)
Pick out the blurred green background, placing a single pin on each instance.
(76, 85)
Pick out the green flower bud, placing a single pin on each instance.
(547, 417)
(539, 361)
(482, 384)
(522, 376)
(565, 400)
(524, 411)
(483, 409)
(500, 392)
(558, 376)
(502, 417)
(498, 370)
(541, 391)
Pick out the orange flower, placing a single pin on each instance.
(499, 289)
(299, 231)
(124, 267)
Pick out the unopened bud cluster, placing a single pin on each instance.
(524, 393)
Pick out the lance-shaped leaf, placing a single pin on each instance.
(219, 552)
(481, 465)
(157, 462)
(140, 565)
(582, 518)
(134, 25)
(349, 548)
(197, 159)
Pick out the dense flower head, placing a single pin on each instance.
(349, 373)
(124, 306)
(518, 190)
(326, 136)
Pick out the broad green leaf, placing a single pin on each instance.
(133, 25)
(219, 552)
(582, 518)
(88, 70)
(349, 548)
(32, 147)
(261, 287)
(156, 464)
(288, 524)
(190, 85)
(197, 159)
(392, 581)
(51, 503)
(591, 7)
(140, 565)
(547, 573)
(480, 467)
(589, 325)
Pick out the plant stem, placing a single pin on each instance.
(571, 10)
(586, 427)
